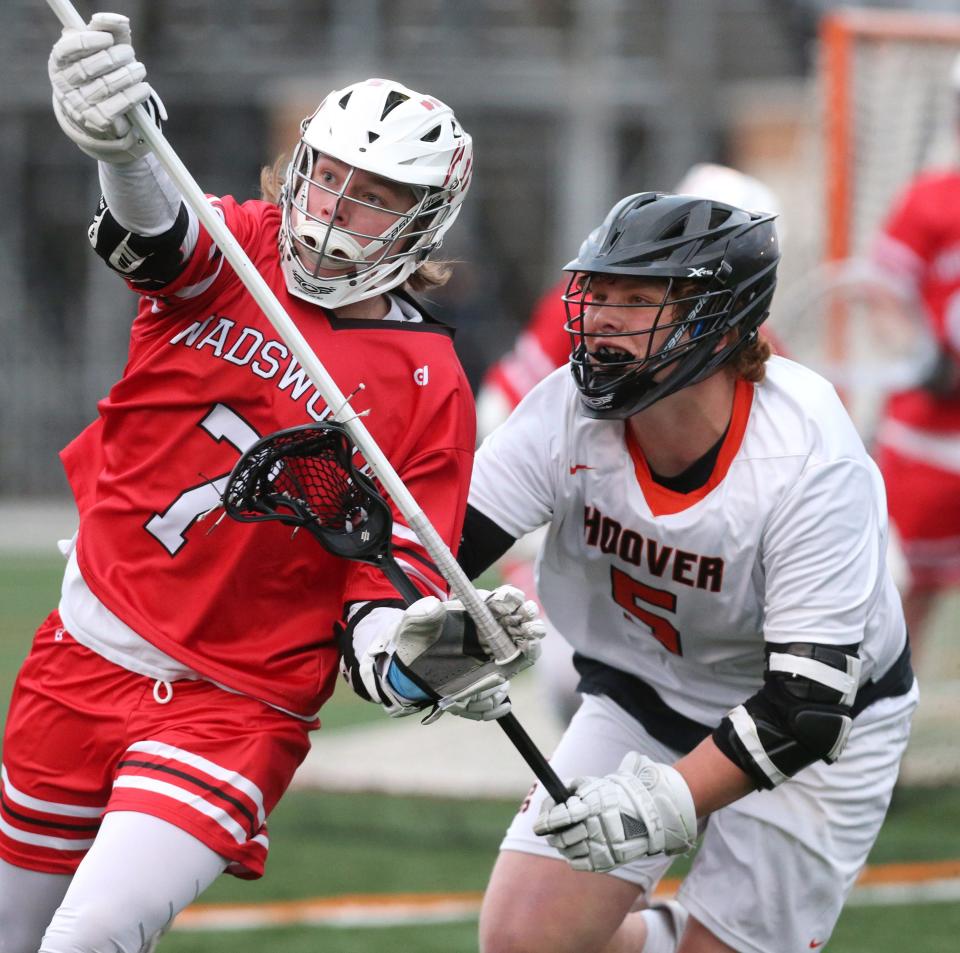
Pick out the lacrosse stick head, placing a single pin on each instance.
(306, 477)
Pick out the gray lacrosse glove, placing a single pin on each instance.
(643, 810)
(96, 79)
(438, 653)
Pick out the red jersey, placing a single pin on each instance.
(920, 245)
(246, 605)
(542, 346)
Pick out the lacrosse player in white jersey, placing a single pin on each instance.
(715, 552)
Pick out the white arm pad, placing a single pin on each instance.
(141, 196)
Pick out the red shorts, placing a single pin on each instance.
(84, 737)
(924, 505)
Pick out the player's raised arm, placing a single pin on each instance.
(142, 228)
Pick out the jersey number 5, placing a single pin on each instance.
(633, 597)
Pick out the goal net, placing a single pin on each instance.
(889, 110)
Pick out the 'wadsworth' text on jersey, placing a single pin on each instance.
(249, 348)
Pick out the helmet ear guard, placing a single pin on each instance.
(725, 259)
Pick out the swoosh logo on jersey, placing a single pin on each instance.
(574, 467)
(816, 943)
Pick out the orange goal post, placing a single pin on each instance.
(889, 110)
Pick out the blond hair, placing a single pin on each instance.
(428, 275)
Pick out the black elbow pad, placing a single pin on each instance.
(802, 714)
(150, 262)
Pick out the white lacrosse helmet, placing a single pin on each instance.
(386, 129)
(722, 184)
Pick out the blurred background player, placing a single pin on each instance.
(542, 347)
(715, 551)
(165, 705)
(918, 439)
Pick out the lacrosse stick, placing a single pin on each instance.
(503, 649)
(865, 334)
(305, 477)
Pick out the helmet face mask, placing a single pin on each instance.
(413, 151)
(709, 271)
(320, 243)
(648, 340)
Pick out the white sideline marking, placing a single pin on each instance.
(412, 910)
(882, 895)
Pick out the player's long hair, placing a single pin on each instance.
(750, 362)
(430, 274)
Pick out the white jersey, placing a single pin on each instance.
(786, 541)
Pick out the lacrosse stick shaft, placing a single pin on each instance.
(512, 728)
(500, 644)
(532, 755)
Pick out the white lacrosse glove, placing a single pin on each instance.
(487, 702)
(96, 79)
(438, 653)
(643, 810)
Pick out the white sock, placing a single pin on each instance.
(665, 924)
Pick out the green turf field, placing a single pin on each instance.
(325, 845)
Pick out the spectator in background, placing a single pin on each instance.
(541, 347)
(918, 439)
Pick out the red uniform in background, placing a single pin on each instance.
(541, 347)
(919, 438)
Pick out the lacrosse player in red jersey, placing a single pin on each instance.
(165, 705)
(715, 551)
(918, 439)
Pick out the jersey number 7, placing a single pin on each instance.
(170, 527)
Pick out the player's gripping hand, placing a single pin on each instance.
(643, 810)
(438, 653)
(482, 700)
(96, 79)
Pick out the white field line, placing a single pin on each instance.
(914, 883)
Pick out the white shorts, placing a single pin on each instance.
(773, 869)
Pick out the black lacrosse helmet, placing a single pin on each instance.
(718, 265)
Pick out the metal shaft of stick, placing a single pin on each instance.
(500, 644)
